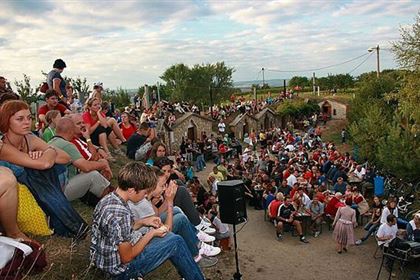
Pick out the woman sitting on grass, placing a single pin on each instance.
(127, 126)
(102, 129)
(45, 186)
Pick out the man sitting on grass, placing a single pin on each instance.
(125, 253)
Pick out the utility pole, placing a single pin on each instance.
(284, 86)
(377, 62)
(211, 101)
(263, 77)
(378, 70)
(158, 92)
(313, 83)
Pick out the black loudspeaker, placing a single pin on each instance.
(232, 202)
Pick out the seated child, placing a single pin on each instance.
(119, 249)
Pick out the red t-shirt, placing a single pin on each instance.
(127, 131)
(222, 149)
(333, 206)
(320, 196)
(286, 174)
(358, 199)
(44, 109)
(315, 156)
(87, 118)
(274, 207)
(308, 175)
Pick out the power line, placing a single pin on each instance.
(360, 64)
(321, 68)
(258, 75)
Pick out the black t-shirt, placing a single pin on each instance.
(285, 190)
(286, 211)
(134, 143)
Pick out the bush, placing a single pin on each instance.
(297, 108)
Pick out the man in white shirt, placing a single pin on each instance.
(387, 231)
(292, 179)
(221, 126)
(360, 172)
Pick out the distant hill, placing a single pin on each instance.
(246, 85)
(243, 85)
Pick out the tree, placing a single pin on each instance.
(184, 83)
(299, 81)
(407, 49)
(120, 97)
(407, 52)
(82, 88)
(384, 115)
(399, 154)
(221, 80)
(25, 90)
(369, 130)
(177, 79)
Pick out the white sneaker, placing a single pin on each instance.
(206, 229)
(204, 237)
(208, 250)
(205, 222)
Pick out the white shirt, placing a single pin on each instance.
(290, 148)
(214, 187)
(360, 174)
(386, 213)
(386, 230)
(221, 127)
(291, 180)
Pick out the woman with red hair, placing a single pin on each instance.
(16, 124)
(20, 150)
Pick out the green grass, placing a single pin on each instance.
(67, 262)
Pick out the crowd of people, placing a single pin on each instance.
(160, 210)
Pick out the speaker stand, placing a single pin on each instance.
(237, 275)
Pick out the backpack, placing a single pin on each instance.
(44, 87)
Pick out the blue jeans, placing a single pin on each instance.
(200, 162)
(159, 250)
(371, 228)
(182, 226)
(45, 187)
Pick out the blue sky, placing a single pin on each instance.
(130, 43)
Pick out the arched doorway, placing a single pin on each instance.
(326, 108)
(192, 131)
(266, 122)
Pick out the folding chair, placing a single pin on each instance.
(378, 247)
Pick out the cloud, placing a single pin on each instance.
(127, 43)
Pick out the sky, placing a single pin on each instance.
(131, 43)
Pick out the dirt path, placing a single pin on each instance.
(262, 257)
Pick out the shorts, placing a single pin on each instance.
(98, 131)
